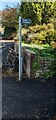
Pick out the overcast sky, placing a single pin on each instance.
(10, 3)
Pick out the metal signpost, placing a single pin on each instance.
(24, 21)
(20, 49)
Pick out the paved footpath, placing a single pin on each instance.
(3, 54)
(0, 82)
(28, 98)
(0, 93)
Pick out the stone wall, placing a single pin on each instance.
(28, 59)
(44, 66)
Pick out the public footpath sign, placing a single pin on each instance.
(21, 21)
(26, 21)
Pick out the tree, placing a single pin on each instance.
(39, 13)
(47, 12)
(54, 19)
(31, 10)
(10, 19)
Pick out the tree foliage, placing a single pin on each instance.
(38, 12)
(10, 20)
(31, 10)
(41, 34)
(10, 16)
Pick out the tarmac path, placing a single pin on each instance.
(28, 99)
(4, 45)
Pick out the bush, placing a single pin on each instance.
(42, 34)
(49, 56)
(10, 32)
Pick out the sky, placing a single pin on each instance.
(10, 3)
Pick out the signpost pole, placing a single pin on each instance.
(20, 61)
(24, 21)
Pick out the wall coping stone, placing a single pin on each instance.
(30, 51)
